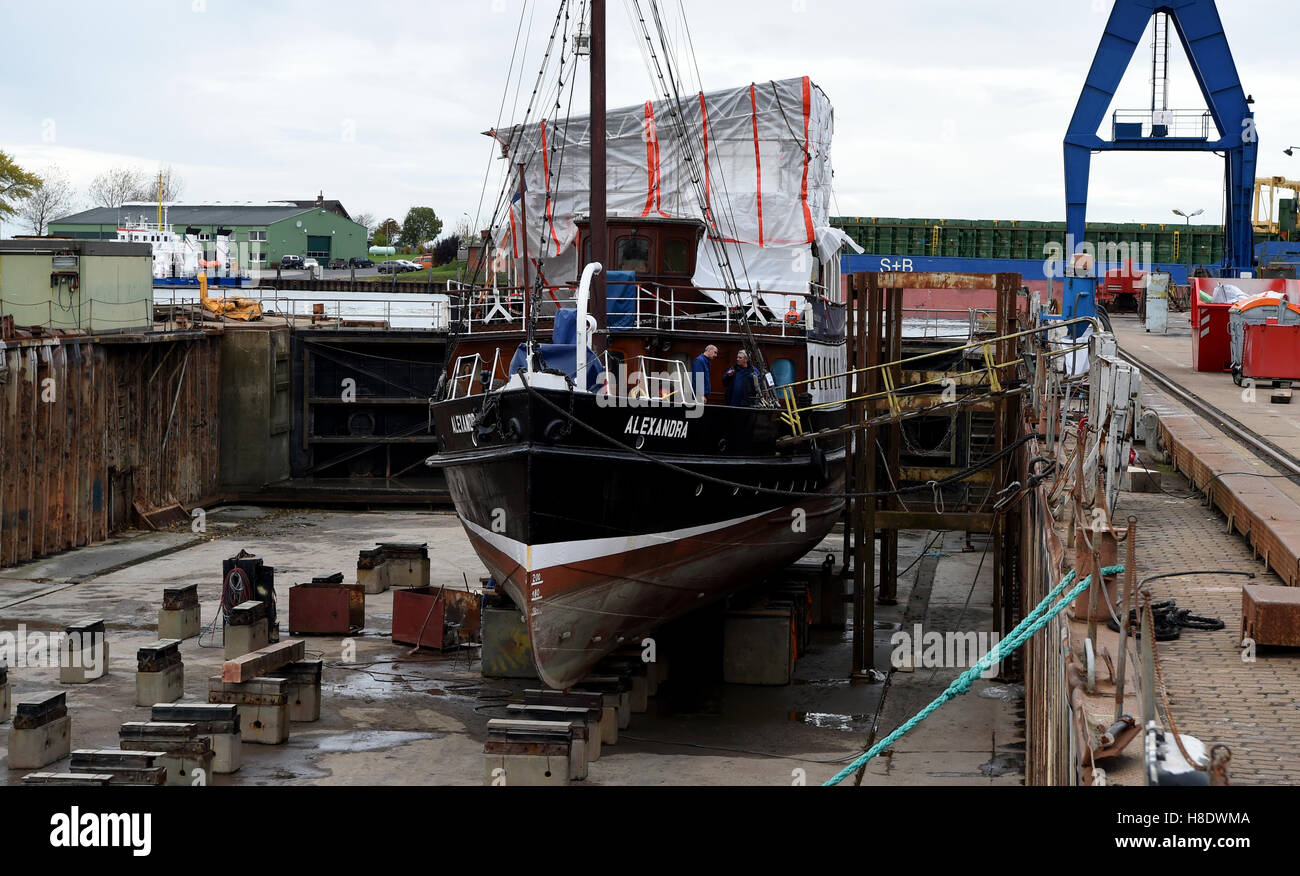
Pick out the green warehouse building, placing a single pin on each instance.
(260, 233)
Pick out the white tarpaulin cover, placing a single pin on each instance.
(766, 148)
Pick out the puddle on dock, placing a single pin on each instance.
(828, 721)
(371, 740)
(1008, 764)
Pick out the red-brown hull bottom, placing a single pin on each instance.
(580, 611)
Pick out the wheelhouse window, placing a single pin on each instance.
(632, 254)
(677, 256)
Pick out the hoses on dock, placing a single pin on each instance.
(1042, 614)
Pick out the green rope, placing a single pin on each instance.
(1033, 622)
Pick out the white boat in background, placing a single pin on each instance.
(179, 258)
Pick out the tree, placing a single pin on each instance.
(115, 187)
(446, 250)
(420, 226)
(16, 184)
(390, 230)
(172, 185)
(54, 197)
(365, 219)
(122, 185)
(380, 239)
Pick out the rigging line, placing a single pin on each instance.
(505, 93)
(956, 477)
(720, 254)
(519, 85)
(679, 119)
(693, 161)
(573, 88)
(519, 131)
(553, 180)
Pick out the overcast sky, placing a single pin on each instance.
(945, 108)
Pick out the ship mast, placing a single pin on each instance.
(599, 202)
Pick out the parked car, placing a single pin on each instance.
(355, 262)
(338, 264)
(408, 265)
(291, 263)
(393, 267)
(310, 264)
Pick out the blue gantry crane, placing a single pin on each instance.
(1227, 127)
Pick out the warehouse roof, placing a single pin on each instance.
(189, 214)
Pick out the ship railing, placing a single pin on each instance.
(467, 371)
(666, 381)
(653, 306)
(894, 394)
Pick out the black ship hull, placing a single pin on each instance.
(601, 538)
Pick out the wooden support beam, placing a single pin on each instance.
(258, 663)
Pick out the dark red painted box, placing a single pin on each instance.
(326, 609)
(420, 618)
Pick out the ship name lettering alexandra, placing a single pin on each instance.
(656, 428)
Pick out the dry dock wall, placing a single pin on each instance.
(91, 427)
(256, 409)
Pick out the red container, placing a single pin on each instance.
(326, 609)
(1271, 352)
(419, 618)
(1211, 343)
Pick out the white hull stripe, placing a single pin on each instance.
(545, 556)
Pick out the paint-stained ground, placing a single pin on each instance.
(392, 718)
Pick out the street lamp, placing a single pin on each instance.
(1189, 217)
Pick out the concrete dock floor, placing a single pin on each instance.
(393, 719)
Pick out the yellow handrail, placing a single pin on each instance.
(793, 411)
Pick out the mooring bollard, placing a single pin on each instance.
(42, 732)
(372, 573)
(83, 654)
(263, 707)
(303, 689)
(180, 616)
(534, 753)
(407, 564)
(160, 674)
(247, 630)
(218, 722)
(186, 755)
(139, 768)
(603, 707)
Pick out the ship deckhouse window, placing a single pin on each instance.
(677, 257)
(632, 254)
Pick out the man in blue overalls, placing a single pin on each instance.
(700, 373)
(741, 382)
